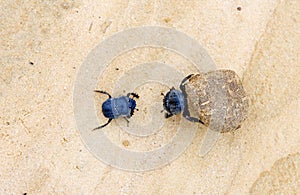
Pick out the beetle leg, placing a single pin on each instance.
(168, 115)
(100, 127)
(131, 113)
(186, 114)
(192, 119)
(184, 80)
(126, 118)
(133, 95)
(103, 92)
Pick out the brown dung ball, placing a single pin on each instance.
(218, 98)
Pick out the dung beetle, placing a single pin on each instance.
(175, 102)
(122, 106)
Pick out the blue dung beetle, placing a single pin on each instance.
(122, 106)
(175, 102)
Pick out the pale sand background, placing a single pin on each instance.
(41, 150)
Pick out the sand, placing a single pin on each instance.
(43, 46)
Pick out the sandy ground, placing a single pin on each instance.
(43, 45)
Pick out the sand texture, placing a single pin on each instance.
(44, 43)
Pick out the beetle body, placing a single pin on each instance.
(173, 102)
(118, 107)
(122, 106)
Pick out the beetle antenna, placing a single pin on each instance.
(100, 127)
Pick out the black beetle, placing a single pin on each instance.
(122, 106)
(175, 102)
